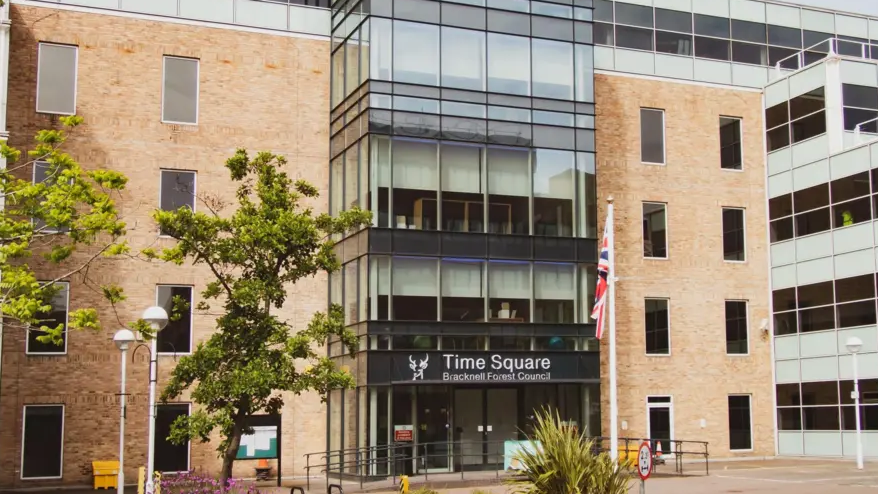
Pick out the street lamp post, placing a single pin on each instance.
(854, 345)
(123, 338)
(157, 318)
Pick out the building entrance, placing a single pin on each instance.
(445, 428)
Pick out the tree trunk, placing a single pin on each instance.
(231, 453)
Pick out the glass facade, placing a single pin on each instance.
(467, 129)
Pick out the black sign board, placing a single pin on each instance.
(452, 367)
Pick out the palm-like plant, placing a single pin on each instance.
(564, 462)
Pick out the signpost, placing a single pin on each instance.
(644, 465)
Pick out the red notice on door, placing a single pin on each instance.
(403, 433)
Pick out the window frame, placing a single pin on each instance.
(194, 193)
(191, 319)
(66, 328)
(664, 161)
(188, 443)
(21, 443)
(750, 410)
(645, 348)
(743, 233)
(667, 236)
(746, 327)
(740, 142)
(75, 77)
(197, 89)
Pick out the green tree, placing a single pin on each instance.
(269, 242)
(69, 219)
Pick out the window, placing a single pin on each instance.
(736, 327)
(180, 92)
(554, 192)
(652, 136)
(415, 184)
(463, 295)
(509, 186)
(733, 235)
(552, 69)
(463, 59)
(860, 107)
(56, 79)
(41, 174)
(633, 37)
(843, 303)
(635, 15)
(177, 190)
(415, 53)
(508, 64)
(463, 200)
(730, 143)
(56, 316)
(740, 434)
(658, 338)
(674, 43)
(415, 289)
(673, 20)
(169, 457)
(655, 240)
(42, 442)
(509, 291)
(177, 335)
(554, 293)
(801, 118)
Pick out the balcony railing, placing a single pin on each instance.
(818, 52)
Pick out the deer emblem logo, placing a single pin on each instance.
(418, 368)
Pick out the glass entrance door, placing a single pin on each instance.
(483, 419)
(434, 428)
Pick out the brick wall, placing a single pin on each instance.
(698, 374)
(258, 91)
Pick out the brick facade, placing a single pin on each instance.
(698, 374)
(257, 91)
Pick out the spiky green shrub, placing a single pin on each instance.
(563, 462)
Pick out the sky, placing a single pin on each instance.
(869, 7)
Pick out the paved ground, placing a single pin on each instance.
(758, 477)
(769, 476)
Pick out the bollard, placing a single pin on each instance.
(403, 484)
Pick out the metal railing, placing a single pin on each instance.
(859, 128)
(827, 48)
(390, 461)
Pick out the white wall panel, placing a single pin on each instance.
(814, 246)
(636, 62)
(710, 71)
(749, 75)
(261, 14)
(777, 93)
(849, 163)
(790, 443)
(210, 10)
(819, 369)
(822, 22)
(158, 7)
(853, 238)
(868, 335)
(822, 443)
(780, 160)
(787, 371)
(810, 150)
(814, 271)
(780, 184)
(807, 80)
(783, 277)
(684, 5)
(786, 347)
(783, 253)
(854, 263)
(862, 73)
(719, 8)
(867, 365)
(817, 344)
(781, 15)
(811, 175)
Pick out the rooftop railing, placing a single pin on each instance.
(820, 51)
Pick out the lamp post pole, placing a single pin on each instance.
(123, 338)
(157, 318)
(854, 345)
(150, 457)
(857, 413)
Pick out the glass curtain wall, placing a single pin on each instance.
(405, 288)
(456, 187)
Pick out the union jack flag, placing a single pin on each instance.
(600, 293)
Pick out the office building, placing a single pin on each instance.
(485, 136)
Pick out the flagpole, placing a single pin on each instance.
(611, 286)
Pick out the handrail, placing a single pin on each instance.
(832, 50)
(362, 463)
(858, 129)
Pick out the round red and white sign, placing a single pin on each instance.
(644, 461)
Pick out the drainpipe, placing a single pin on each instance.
(5, 26)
